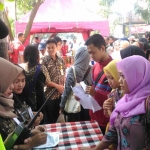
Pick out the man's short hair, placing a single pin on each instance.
(20, 34)
(57, 39)
(51, 41)
(97, 40)
(106, 37)
(111, 37)
(36, 37)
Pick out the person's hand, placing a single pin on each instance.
(106, 113)
(38, 119)
(38, 129)
(61, 110)
(36, 140)
(108, 107)
(41, 116)
(39, 139)
(108, 104)
(24, 146)
(90, 90)
(77, 98)
(60, 88)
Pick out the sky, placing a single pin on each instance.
(93, 6)
(121, 6)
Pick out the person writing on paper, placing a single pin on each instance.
(81, 64)
(7, 121)
(130, 119)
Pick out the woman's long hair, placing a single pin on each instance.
(31, 55)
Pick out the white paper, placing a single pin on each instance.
(86, 100)
(83, 85)
(68, 54)
(52, 140)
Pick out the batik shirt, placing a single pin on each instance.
(56, 69)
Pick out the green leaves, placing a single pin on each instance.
(106, 3)
(1, 6)
(10, 0)
(142, 7)
(105, 7)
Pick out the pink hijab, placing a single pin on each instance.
(136, 70)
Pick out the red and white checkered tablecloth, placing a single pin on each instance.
(74, 135)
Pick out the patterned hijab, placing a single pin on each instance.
(8, 74)
(81, 63)
(136, 70)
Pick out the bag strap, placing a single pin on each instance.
(74, 73)
(87, 72)
(98, 77)
(34, 79)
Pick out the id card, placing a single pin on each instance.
(30, 112)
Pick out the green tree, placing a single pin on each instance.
(22, 7)
(105, 7)
(3, 15)
(142, 7)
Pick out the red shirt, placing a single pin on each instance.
(18, 48)
(102, 89)
(64, 50)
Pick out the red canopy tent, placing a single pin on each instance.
(60, 16)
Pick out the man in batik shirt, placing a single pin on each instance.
(56, 68)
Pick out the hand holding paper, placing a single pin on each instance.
(86, 100)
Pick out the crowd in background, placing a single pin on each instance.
(39, 68)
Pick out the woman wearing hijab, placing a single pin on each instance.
(6, 102)
(23, 111)
(112, 75)
(81, 64)
(130, 51)
(139, 44)
(7, 121)
(124, 44)
(130, 119)
(148, 54)
(116, 53)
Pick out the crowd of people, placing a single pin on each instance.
(119, 81)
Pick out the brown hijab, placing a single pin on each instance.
(8, 74)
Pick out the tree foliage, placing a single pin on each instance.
(24, 6)
(1, 6)
(105, 7)
(142, 7)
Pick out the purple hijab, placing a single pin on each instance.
(136, 70)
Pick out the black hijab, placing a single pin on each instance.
(147, 54)
(3, 30)
(130, 51)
